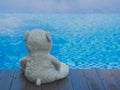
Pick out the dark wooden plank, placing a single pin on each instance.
(66, 83)
(32, 86)
(6, 77)
(116, 75)
(108, 80)
(19, 81)
(50, 86)
(93, 80)
(78, 80)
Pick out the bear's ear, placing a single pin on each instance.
(48, 36)
(26, 36)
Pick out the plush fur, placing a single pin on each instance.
(39, 66)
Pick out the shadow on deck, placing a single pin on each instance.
(87, 79)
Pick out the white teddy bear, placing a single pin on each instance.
(39, 66)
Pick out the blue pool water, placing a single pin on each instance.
(80, 40)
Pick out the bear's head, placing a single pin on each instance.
(38, 40)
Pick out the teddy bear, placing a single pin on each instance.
(40, 66)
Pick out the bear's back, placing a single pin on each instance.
(41, 67)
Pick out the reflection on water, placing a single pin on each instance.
(79, 40)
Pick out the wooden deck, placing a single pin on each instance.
(77, 80)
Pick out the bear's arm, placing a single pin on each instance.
(23, 62)
(56, 63)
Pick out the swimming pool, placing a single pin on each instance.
(80, 40)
